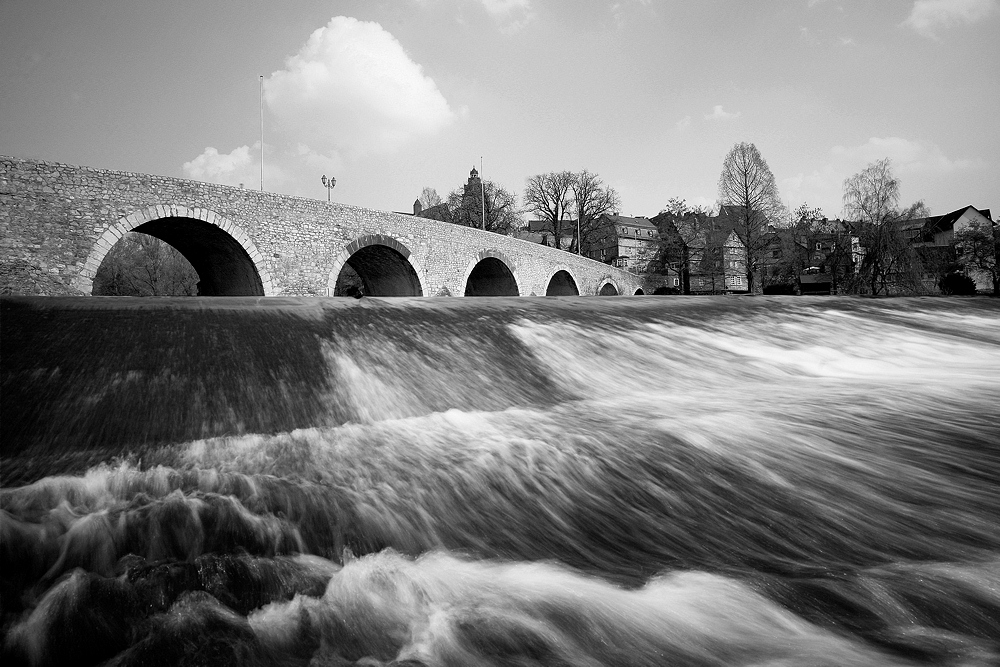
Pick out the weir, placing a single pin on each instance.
(295, 481)
(119, 374)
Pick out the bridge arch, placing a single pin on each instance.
(385, 267)
(491, 273)
(227, 261)
(561, 282)
(639, 292)
(608, 287)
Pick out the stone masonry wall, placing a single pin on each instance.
(53, 217)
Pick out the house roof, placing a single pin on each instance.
(949, 219)
(436, 212)
(546, 225)
(628, 221)
(730, 211)
(931, 224)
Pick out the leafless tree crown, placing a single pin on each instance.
(746, 181)
(747, 184)
(556, 196)
(429, 197)
(502, 215)
(872, 195)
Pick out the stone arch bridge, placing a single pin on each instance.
(57, 222)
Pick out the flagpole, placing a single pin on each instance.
(261, 132)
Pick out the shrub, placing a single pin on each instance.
(957, 284)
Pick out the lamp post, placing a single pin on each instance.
(328, 183)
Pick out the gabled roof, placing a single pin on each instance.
(926, 227)
(949, 219)
(730, 211)
(627, 221)
(436, 212)
(546, 225)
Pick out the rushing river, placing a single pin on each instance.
(554, 481)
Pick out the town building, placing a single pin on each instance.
(705, 251)
(436, 212)
(940, 230)
(934, 237)
(630, 243)
(817, 259)
(540, 231)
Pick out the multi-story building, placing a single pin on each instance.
(818, 258)
(705, 250)
(629, 243)
(933, 238)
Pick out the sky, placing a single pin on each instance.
(391, 96)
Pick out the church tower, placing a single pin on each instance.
(473, 187)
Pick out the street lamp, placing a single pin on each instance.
(328, 183)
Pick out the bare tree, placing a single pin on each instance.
(807, 216)
(676, 206)
(429, 197)
(747, 185)
(549, 196)
(871, 197)
(502, 215)
(978, 247)
(591, 199)
(141, 265)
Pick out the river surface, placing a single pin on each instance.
(768, 481)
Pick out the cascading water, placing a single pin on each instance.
(655, 481)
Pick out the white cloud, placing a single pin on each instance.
(907, 155)
(719, 114)
(683, 123)
(350, 92)
(928, 16)
(230, 169)
(504, 8)
(630, 11)
(512, 15)
(352, 88)
(290, 170)
(617, 14)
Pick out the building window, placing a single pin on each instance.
(819, 246)
(737, 280)
(677, 281)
